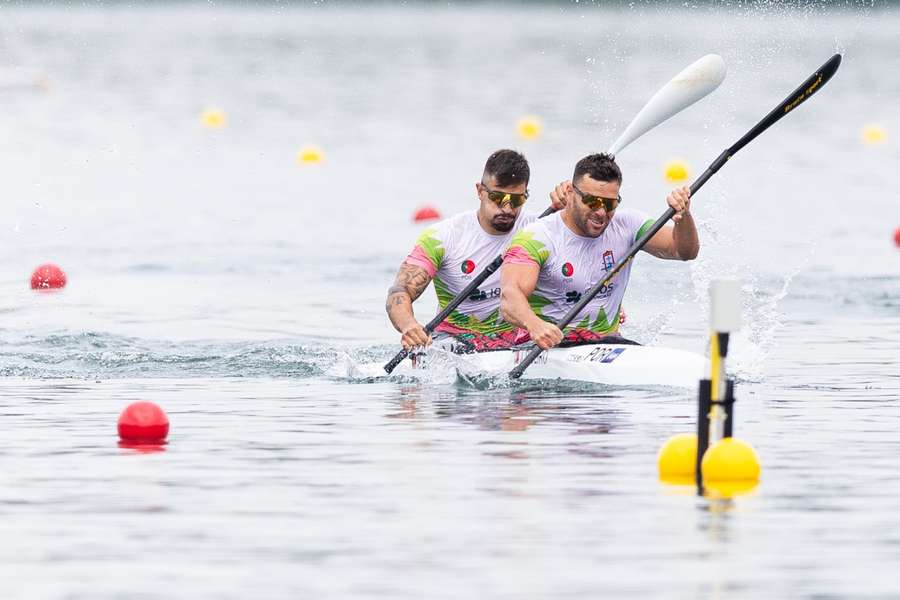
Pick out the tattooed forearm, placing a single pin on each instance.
(397, 296)
(411, 281)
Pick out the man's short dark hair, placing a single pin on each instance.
(599, 167)
(508, 168)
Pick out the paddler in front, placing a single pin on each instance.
(552, 262)
(455, 250)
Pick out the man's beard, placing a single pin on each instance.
(582, 221)
(502, 224)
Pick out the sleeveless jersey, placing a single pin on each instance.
(571, 264)
(453, 252)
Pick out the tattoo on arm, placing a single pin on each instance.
(411, 281)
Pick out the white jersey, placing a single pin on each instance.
(453, 252)
(571, 264)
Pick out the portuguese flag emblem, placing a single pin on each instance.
(568, 269)
(467, 266)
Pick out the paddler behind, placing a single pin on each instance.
(552, 262)
(455, 250)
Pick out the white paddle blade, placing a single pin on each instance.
(693, 83)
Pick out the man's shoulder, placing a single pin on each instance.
(630, 220)
(452, 225)
(525, 220)
(631, 215)
(544, 225)
(538, 233)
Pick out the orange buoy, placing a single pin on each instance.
(48, 277)
(426, 213)
(143, 422)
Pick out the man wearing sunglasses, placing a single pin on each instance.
(455, 250)
(551, 263)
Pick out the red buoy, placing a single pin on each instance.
(144, 422)
(48, 277)
(426, 213)
(897, 237)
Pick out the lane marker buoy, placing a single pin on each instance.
(426, 213)
(677, 459)
(213, 118)
(529, 128)
(676, 171)
(48, 276)
(143, 422)
(718, 464)
(310, 155)
(874, 134)
(730, 459)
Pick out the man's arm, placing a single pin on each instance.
(680, 242)
(409, 284)
(517, 282)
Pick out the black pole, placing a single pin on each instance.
(703, 408)
(729, 409)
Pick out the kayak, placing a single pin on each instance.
(606, 364)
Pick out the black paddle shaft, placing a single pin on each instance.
(457, 300)
(797, 97)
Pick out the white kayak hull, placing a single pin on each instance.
(607, 364)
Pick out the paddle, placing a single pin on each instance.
(798, 96)
(696, 81)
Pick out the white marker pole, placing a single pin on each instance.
(725, 317)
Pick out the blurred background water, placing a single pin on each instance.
(210, 272)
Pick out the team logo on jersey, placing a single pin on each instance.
(608, 260)
(568, 270)
(467, 266)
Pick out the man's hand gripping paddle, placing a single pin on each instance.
(697, 81)
(809, 87)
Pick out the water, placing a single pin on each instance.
(211, 274)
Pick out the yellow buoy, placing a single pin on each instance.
(310, 155)
(677, 459)
(213, 118)
(529, 128)
(874, 134)
(730, 459)
(676, 171)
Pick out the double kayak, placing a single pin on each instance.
(614, 364)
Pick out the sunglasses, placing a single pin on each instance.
(595, 202)
(501, 198)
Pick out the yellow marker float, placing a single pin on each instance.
(529, 128)
(729, 466)
(677, 459)
(212, 118)
(874, 134)
(310, 155)
(676, 171)
(730, 459)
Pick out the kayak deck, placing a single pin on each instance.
(608, 364)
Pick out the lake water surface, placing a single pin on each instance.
(210, 273)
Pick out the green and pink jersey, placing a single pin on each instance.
(571, 264)
(453, 252)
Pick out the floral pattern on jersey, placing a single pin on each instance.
(488, 325)
(432, 247)
(535, 249)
